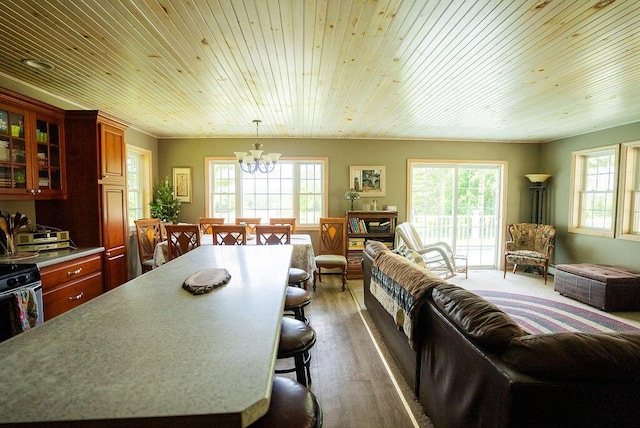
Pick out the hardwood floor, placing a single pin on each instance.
(349, 377)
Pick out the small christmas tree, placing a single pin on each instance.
(165, 206)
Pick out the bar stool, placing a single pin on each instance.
(291, 406)
(298, 277)
(295, 301)
(296, 338)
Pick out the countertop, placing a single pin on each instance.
(48, 258)
(149, 352)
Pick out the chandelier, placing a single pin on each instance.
(254, 160)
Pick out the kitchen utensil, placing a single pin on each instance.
(3, 226)
(16, 221)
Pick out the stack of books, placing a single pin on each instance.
(356, 243)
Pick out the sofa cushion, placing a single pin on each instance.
(481, 320)
(577, 356)
(410, 254)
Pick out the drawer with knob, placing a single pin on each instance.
(70, 284)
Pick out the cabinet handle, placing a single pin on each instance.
(104, 177)
(74, 272)
(78, 297)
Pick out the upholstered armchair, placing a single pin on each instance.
(529, 244)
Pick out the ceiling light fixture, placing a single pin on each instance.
(36, 63)
(254, 160)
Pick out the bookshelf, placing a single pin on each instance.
(363, 226)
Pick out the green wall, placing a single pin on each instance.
(574, 247)
(393, 154)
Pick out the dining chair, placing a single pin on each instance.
(181, 238)
(205, 223)
(149, 234)
(273, 234)
(332, 248)
(229, 234)
(250, 222)
(297, 298)
(284, 220)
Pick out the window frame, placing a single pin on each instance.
(146, 178)
(628, 188)
(578, 171)
(296, 186)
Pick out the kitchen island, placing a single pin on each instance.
(150, 353)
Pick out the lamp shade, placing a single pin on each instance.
(537, 178)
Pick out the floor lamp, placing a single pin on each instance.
(538, 196)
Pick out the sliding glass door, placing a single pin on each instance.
(459, 203)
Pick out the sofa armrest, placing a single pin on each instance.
(509, 246)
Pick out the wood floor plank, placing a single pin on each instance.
(348, 375)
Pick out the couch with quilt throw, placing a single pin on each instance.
(471, 365)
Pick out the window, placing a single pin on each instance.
(629, 207)
(296, 188)
(138, 183)
(594, 182)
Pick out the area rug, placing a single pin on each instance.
(538, 315)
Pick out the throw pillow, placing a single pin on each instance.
(412, 255)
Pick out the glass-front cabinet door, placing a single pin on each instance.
(13, 151)
(49, 155)
(31, 154)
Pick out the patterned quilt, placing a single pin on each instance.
(401, 286)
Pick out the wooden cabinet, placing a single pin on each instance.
(70, 284)
(95, 211)
(32, 150)
(363, 226)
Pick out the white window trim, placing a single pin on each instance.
(629, 154)
(325, 184)
(147, 190)
(577, 173)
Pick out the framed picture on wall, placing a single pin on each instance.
(369, 181)
(182, 183)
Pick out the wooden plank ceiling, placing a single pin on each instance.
(501, 70)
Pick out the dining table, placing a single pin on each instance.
(303, 256)
(150, 353)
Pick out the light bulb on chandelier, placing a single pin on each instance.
(255, 161)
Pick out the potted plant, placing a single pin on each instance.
(165, 206)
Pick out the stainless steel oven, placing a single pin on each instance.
(20, 299)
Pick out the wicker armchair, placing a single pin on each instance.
(438, 256)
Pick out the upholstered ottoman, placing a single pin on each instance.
(609, 288)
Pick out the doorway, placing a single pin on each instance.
(460, 204)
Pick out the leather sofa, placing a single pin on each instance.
(471, 365)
